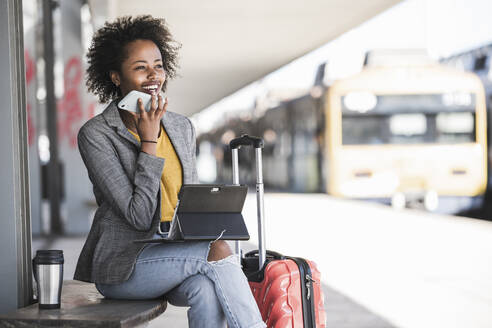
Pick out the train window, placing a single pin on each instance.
(358, 130)
(408, 124)
(285, 144)
(455, 127)
(448, 128)
(415, 118)
(480, 63)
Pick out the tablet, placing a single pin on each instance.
(207, 212)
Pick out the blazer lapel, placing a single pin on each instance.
(179, 143)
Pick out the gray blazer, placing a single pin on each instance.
(126, 184)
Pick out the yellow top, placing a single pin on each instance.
(172, 175)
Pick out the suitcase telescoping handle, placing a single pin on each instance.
(258, 144)
(246, 140)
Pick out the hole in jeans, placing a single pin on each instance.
(232, 259)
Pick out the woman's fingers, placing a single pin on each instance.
(140, 106)
(162, 106)
(153, 104)
(164, 109)
(148, 125)
(161, 102)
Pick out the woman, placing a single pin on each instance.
(137, 164)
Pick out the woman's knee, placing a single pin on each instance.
(200, 289)
(219, 250)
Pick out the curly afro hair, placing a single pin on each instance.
(107, 51)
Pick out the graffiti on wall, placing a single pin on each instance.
(30, 74)
(69, 108)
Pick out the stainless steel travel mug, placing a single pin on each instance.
(48, 272)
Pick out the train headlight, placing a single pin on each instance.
(361, 102)
(398, 201)
(431, 200)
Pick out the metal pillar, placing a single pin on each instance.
(54, 178)
(15, 235)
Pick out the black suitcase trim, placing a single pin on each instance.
(250, 264)
(307, 292)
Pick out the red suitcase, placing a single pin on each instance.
(287, 289)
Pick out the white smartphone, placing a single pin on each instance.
(130, 101)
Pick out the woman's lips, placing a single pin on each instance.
(151, 89)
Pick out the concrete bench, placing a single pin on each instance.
(83, 306)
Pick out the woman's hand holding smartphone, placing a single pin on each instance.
(130, 101)
(148, 125)
(150, 110)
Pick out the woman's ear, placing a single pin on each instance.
(115, 78)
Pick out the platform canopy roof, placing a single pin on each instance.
(227, 44)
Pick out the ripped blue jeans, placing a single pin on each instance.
(217, 292)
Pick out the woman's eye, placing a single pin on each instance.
(159, 66)
(140, 67)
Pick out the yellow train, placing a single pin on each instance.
(404, 133)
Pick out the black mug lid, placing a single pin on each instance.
(49, 256)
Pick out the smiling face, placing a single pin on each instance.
(142, 70)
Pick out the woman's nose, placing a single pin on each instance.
(152, 72)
